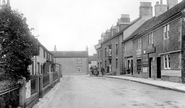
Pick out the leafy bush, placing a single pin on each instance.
(18, 45)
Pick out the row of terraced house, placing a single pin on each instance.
(149, 46)
(44, 71)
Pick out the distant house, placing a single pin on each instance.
(72, 62)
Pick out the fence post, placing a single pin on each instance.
(51, 79)
(41, 86)
(22, 93)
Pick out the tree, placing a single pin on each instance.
(18, 44)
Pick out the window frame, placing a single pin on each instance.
(150, 39)
(116, 47)
(79, 60)
(166, 30)
(166, 60)
(139, 43)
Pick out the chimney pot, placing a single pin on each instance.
(171, 3)
(145, 9)
(160, 9)
(157, 3)
(161, 1)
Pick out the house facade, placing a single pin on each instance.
(110, 46)
(145, 12)
(161, 50)
(44, 75)
(72, 62)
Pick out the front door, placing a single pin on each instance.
(158, 67)
(150, 67)
(131, 67)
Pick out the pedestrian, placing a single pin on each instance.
(91, 69)
(102, 71)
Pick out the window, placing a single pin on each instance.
(109, 50)
(116, 63)
(79, 69)
(166, 59)
(166, 30)
(105, 63)
(139, 43)
(116, 49)
(151, 40)
(79, 60)
(105, 52)
(44, 53)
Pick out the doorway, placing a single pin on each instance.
(158, 67)
(150, 67)
(131, 67)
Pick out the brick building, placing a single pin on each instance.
(153, 48)
(111, 43)
(160, 41)
(72, 62)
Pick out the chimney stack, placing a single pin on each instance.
(171, 3)
(161, 1)
(55, 48)
(160, 8)
(123, 22)
(108, 34)
(99, 41)
(145, 9)
(103, 37)
(113, 30)
(125, 18)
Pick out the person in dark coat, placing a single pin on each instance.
(102, 71)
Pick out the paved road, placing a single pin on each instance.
(100, 92)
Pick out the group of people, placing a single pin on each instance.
(95, 71)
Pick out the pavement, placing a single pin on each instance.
(43, 102)
(154, 82)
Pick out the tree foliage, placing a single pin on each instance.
(18, 45)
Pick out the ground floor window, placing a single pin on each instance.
(139, 66)
(166, 59)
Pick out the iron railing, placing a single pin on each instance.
(45, 80)
(9, 98)
(55, 76)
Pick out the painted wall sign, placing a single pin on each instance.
(145, 69)
(145, 60)
(176, 73)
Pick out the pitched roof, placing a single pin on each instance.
(70, 54)
(155, 21)
(120, 32)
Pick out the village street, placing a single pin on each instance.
(100, 92)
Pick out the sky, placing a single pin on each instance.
(72, 25)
